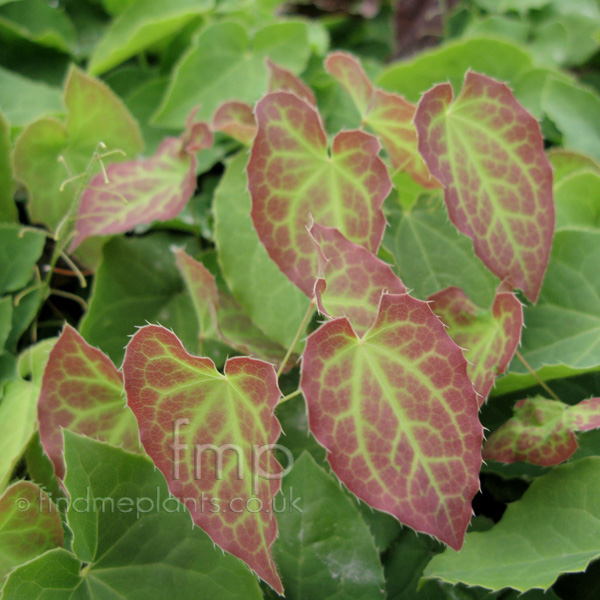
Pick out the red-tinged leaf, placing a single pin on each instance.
(389, 115)
(398, 415)
(82, 391)
(282, 80)
(488, 152)
(236, 119)
(183, 403)
(291, 177)
(220, 316)
(141, 191)
(203, 291)
(489, 338)
(29, 525)
(542, 431)
(353, 279)
(585, 415)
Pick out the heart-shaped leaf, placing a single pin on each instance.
(236, 119)
(283, 80)
(291, 177)
(488, 338)
(398, 415)
(353, 279)
(542, 431)
(142, 191)
(488, 152)
(389, 115)
(82, 391)
(184, 407)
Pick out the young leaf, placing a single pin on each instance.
(29, 525)
(142, 191)
(291, 177)
(542, 431)
(236, 119)
(82, 391)
(488, 152)
(203, 291)
(554, 528)
(174, 394)
(398, 415)
(94, 114)
(488, 338)
(352, 280)
(324, 522)
(283, 80)
(389, 115)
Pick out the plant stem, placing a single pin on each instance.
(290, 396)
(298, 334)
(537, 377)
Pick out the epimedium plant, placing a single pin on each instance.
(282, 373)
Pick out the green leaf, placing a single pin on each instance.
(431, 255)
(18, 408)
(562, 332)
(324, 548)
(23, 100)
(488, 152)
(20, 249)
(140, 25)
(398, 415)
(184, 407)
(247, 268)
(29, 525)
(8, 210)
(577, 200)
(575, 110)
(39, 22)
(231, 67)
(451, 61)
(553, 529)
(138, 282)
(6, 312)
(142, 547)
(565, 162)
(95, 115)
(18, 422)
